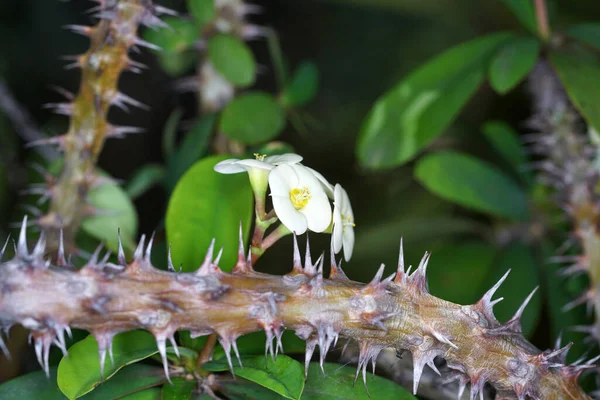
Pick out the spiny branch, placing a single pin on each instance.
(394, 312)
(101, 66)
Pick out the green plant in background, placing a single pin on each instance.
(193, 319)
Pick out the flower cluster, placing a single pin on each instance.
(300, 195)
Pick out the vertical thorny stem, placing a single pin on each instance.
(570, 169)
(101, 66)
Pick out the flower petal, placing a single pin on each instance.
(282, 179)
(288, 215)
(317, 212)
(229, 167)
(338, 228)
(328, 187)
(348, 240)
(250, 163)
(288, 158)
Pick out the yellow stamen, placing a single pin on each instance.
(300, 197)
(347, 220)
(260, 157)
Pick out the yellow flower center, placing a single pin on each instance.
(300, 197)
(347, 221)
(260, 157)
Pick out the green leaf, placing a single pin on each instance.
(338, 383)
(148, 394)
(233, 59)
(513, 62)
(202, 10)
(588, 33)
(181, 389)
(449, 266)
(523, 278)
(116, 212)
(206, 204)
(579, 71)
(175, 57)
(79, 373)
(525, 13)
(420, 107)
(303, 86)
(472, 183)
(243, 390)
(35, 385)
(193, 147)
(143, 179)
(505, 140)
(132, 378)
(252, 118)
(285, 376)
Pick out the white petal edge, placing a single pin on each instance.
(327, 187)
(288, 158)
(282, 179)
(317, 212)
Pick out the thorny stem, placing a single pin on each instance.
(541, 13)
(101, 67)
(396, 312)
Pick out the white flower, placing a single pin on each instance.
(299, 199)
(258, 169)
(235, 166)
(328, 187)
(343, 223)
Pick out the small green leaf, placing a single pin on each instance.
(176, 40)
(420, 107)
(233, 59)
(116, 211)
(472, 183)
(338, 383)
(181, 389)
(202, 10)
(148, 394)
(588, 33)
(285, 376)
(206, 204)
(523, 278)
(513, 62)
(35, 385)
(449, 266)
(143, 179)
(79, 373)
(579, 71)
(524, 12)
(303, 86)
(174, 57)
(252, 118)
(193, 147)
(505, 140)
(130, 379)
